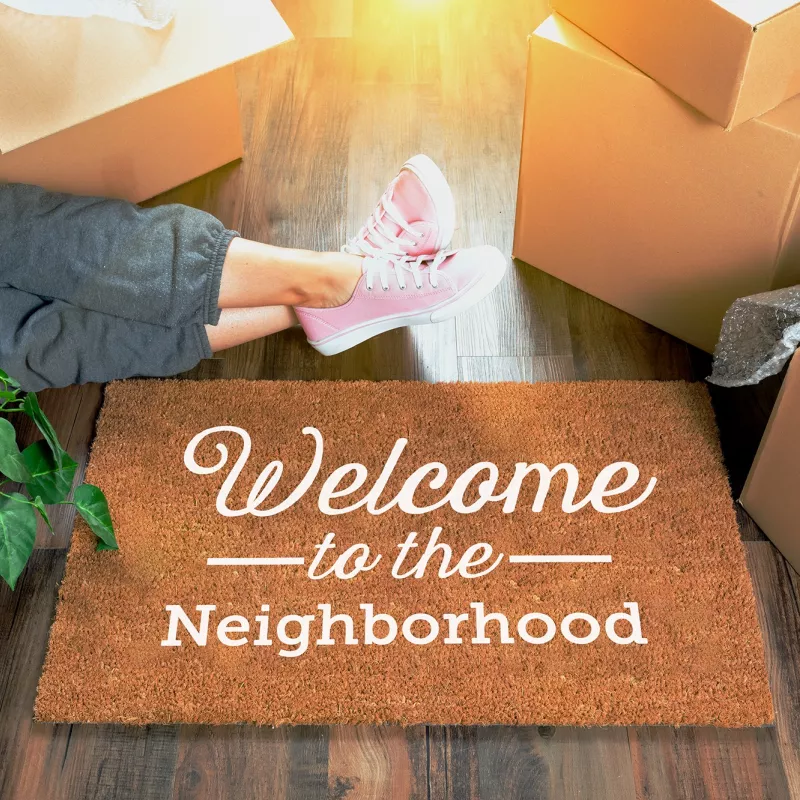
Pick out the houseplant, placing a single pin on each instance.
(46, 472)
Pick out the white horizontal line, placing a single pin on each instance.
(560, 559)
(254, 562)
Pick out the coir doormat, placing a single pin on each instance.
(403, 552)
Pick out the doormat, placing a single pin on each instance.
(326, 552)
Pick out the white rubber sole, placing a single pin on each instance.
(449, 308)
(439, 189)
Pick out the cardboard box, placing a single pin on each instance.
(731, 59)
(95, 106)
(771, 494)
(631, 195)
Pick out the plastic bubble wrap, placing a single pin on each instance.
(759, 335)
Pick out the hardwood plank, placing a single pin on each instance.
(234, 760)
(695, 763)
(521, 369)
(318, 18)
(308, 763)
(452, 763)
(552, 762)
(375, 762)
(219, 193)
(290, 763)
(609, 344)
(117, 762)
(25, 616)
(779, 615)
(482, 94)
(397, 42)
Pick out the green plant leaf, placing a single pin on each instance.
(8, 380)
(12, 464)
(17, 535)
(31, 407)
(49, 480)
(5, 396)
(93, 507)
(39, 506)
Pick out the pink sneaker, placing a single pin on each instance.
(415, 216)
(395, 293)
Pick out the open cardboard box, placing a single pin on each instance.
(731, 59)
(633, 196)
(771, 495)
(100, 107)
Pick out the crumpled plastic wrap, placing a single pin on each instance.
(759, 335)
(155, 14)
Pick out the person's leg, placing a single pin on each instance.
(47, 343)
(170, 265)
(256, 274)
(240, 325)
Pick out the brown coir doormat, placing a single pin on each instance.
(454, 553)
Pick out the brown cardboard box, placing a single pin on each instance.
(731, 59)
(96, 106)
(771, 495)
(631, 195)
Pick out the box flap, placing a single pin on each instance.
(556, 29)
(56, 72)
(756, 11)
(786, 117)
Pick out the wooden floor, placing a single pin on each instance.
(328, 119)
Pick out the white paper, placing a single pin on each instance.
(154, 14)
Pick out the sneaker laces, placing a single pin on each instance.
(375, 238)
(382, 266)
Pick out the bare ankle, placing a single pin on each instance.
(338, 277)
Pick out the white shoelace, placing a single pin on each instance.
(402, 265)
(383, 241)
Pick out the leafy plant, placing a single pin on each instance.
(47, 472)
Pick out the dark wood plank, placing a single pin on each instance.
(696, 763)
(609, 344)
(231, 760)
(115, 762)
(374, 762)
(775, 587)
(452, 763)
(548, 762)
(25, 617)
(251, 762)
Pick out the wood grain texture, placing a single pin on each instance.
(326, 120)
(374, 762)
(706, 762)
(776, 586)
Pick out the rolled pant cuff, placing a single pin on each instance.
(211, 311)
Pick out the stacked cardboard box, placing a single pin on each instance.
(660, 172)
(629, 193)
(100, 107)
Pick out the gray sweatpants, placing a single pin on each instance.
(94, 289)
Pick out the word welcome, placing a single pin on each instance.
(434, 474)
(294, 631)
